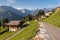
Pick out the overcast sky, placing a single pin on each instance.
(30, 4)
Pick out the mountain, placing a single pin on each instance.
(13, 14)
(26, 12)
(10, 13)
(36, 11)
(29, 12)
(46, 10)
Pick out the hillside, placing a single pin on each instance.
(28, 32)
(54, 19)
(10, 13)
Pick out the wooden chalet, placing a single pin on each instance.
(14, 25)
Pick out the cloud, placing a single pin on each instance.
(11, 1)
(24, 8)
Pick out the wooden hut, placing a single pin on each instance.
(14, 25)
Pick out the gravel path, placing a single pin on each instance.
(49, 31)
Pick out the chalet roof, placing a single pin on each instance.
(13, 23)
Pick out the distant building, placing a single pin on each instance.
(43, 16)
(14, 25)
(48, 14)
(57, 9)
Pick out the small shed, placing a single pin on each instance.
(14, 25)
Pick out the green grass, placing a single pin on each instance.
(28, 32)
(5, 34)
(3, 29)
(54, 19)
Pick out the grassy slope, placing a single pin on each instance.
(3, 29)
(27, 33)
(6, 34)
(54, 19)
